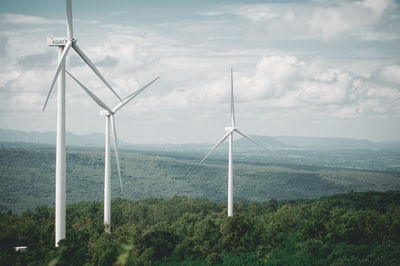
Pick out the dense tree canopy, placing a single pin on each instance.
(345, 229)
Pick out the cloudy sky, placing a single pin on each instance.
(304, 68)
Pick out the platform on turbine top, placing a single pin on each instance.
(57, 41)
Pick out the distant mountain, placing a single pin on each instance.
(279, 142)
(72, 139)
(316, 142)
(265, 140)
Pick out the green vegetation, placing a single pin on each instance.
(27, 178)
(173, 211)
(345, 229)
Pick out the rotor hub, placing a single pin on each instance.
(105, 113)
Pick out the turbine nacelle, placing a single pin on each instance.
(227, 129)
(59, 41)
(105, 113)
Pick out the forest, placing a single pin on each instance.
(344, 229)
(173, 209)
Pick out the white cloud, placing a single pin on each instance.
(12, 18)
(378, 36)
(355, 18)
(281, 68)
(332, 86)
(292, 82)
(388, 93)
(273, 77)
(378, 6)
(211, 13)
(331, 21)
(8, 76)
(256, 13)
(128, 56)
(25, 101)
(28, 81)
(389, 74)
(289, 16)
(284, 82)
(366, 20)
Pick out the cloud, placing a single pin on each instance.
(108, 61)
(127, 54)
(378, 102)
(378, 36)
(366, 20)
(119, 63)
(273, 77)
(356, 18)
(384, 92)
(212, 13)
(285, 82)
(25, 101)
(331, 21)
(37, 61)
(255, 13)
(12, 18)
(291, 82)
(119, 13)
(378, 7)
(389, 74)
(281, 67)
(8, 76)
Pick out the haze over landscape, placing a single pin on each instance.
(301, 68)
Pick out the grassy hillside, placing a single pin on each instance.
(27, 178)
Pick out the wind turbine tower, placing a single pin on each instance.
(64, 45)
(229, 134)
(108, 113)
(60, 199)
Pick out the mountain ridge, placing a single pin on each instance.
(96, 139)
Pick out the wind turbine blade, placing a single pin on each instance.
(92, 95)
(216, 145)
(251, 139)
(114, 133)
(60, 64)
(93, 67)
(69, 20)
(232, 101)
(133, 95)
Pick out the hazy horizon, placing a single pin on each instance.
(301, 68)
(236, 138)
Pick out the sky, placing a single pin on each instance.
(301, 68)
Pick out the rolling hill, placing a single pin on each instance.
(27, 175)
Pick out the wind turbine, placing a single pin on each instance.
(109, 115)
(64, 45)
(229, 133)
